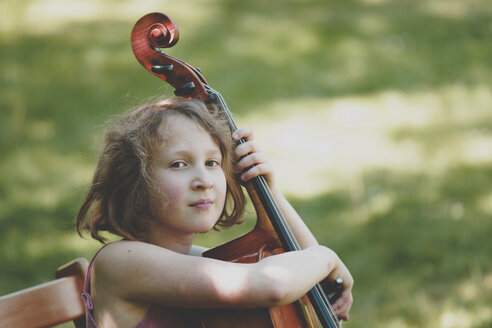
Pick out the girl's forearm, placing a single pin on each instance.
(289, 275)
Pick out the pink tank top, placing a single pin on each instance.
(157, 316)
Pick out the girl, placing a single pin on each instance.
(167, 171)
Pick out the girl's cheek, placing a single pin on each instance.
(173, 193)
(170, 190)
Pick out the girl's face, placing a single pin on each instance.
(189, 175)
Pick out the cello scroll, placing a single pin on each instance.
(157, 31)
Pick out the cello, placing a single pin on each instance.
(271, 235)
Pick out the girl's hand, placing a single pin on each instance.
(251, 161)
(343, 303)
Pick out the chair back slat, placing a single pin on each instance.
(47, 304)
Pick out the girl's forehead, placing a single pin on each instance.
(173, 124)
(178, 127)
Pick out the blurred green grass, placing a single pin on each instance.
(408, 211)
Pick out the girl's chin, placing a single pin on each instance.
(205, 228)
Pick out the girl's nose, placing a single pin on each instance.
(202, 181)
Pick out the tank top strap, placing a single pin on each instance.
(86, 296)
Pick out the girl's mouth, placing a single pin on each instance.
(202, 204)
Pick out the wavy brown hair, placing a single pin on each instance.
(120, 197)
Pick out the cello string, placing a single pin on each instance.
(281, 222)
(317, 289)
(286, 229)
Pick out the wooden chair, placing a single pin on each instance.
(48, 304)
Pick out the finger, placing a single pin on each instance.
(344, 314)
(250, 160)
(344, 317)
(342, 305)
(246, 148)
(345, 297)
(260, 169)
(244, 132)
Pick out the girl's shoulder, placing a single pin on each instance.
(120, 259)
(124, 269)
(128, 252)
(132, 250)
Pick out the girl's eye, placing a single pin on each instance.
(212, 163)
(177, 165)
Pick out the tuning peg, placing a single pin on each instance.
(162, 69)
(185, 89)
(336, 291)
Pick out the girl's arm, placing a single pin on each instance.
(249, 154)
(147, 274)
